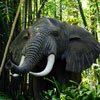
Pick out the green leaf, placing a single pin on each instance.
(74, 82)
(50, 92)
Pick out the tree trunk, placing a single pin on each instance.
(29, 12)
(93, 18)
(24, 14)
(61, 10)
(41, 7)
(55, 10)
(72, 5)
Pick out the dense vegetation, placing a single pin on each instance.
(84, 13)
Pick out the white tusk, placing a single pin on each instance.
(48, 68)
(21, 62)
(95, 64)
(14, 75)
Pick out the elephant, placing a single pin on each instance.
(61, 47)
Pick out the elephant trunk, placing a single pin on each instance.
(34, 51)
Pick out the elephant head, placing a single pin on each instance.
(53, 39)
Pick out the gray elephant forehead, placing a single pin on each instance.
(46, 24)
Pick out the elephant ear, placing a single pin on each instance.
(83, 49)
(18, 44)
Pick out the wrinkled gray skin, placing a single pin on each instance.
(73, 46)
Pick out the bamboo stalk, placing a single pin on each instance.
(10, 37)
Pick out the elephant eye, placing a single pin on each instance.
(26, 36)
(55, 34)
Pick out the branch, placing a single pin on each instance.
(10, 37)
(39, 12)
(97, 10)
(82, 14)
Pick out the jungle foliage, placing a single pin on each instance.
(84, 13)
